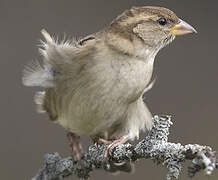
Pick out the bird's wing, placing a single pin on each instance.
(59, 60)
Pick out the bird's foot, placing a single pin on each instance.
(75, 145)
(112, 144)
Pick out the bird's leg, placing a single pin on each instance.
(112, 144)
(75, 145)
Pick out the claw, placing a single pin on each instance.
(112, 144)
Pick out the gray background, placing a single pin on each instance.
(186, 86)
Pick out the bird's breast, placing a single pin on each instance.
(102, 93)
(134, 76)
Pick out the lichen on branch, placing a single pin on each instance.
(154, 146)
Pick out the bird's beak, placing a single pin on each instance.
(182, 28)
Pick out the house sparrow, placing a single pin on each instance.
(94, 86)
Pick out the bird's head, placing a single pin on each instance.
(154, 27)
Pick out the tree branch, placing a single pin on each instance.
(155, 146)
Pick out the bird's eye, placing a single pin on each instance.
(162, 21)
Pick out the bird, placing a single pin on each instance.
(94, 86)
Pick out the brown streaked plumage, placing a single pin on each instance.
(94, 86)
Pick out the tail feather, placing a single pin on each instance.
(34, 74)
(39, 100)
